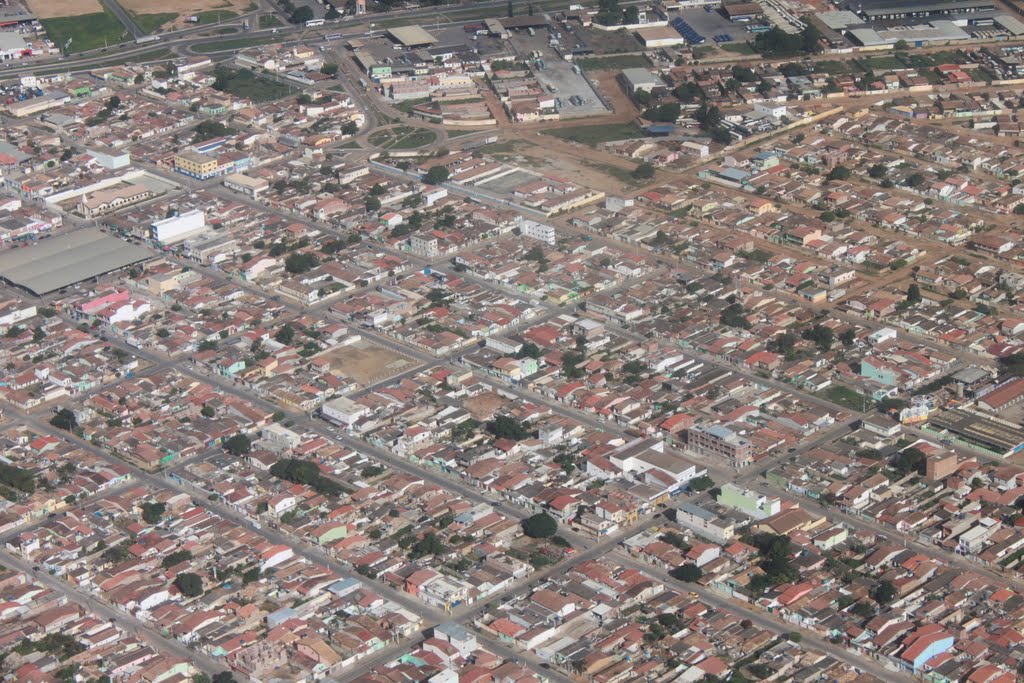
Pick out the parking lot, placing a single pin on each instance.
(711, 24)
(574, 97)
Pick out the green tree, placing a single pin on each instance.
(176, 558)
(436, 175)
(239, 444)
(878, 171)
(840, 173)
(285, 335)
(207, 411)
(688, 572)
(152, 512)
(302, 14)
(913, 294)
(644, 171)
(540, 525)
(701, 483)
(64, 419)
(190, 585)
(507, 427)
(884, 592)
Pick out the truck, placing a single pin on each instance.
(192, 19)
(146, 39)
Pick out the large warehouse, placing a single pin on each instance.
(411, 37)
(63, 261)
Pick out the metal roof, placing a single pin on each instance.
(62, 261)
(411, 35)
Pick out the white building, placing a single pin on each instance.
(538, 231)
(178, 228)
(111, 160)
(343, 411)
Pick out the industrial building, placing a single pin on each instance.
(996, 436)
(411, 37)
(63, 261)
(875, 10)
(178, 228)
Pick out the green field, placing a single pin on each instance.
(214, 15)
(881, 63)
(739, 48)
(702, 51)
(87, 31)
(402, 137)
(270, 21)
(235, 44)
(595, 135)
(832, 67)
(244, 83)
(846, 397)
(150, 23)
(615, 62)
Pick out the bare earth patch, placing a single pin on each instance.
(53, 9)
(484, 406)
(367, 363)
(184, 8)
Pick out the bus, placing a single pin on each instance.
(314, 22)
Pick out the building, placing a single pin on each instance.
(996, 436)
(62, 261)
(705, 523)
(246, 185)
(201, 166)
(720, 442)
(743, 11)
(113, 198)
(635, 80)
(938, 467)
(874, 10)
(748, 501)
(178, 228)
(425, 245)
(1009, 393)
(111, 160)
(343, 411)
(659, 36)
(411, 37)
(538, 231)
(13, 46)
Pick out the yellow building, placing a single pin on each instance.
(195, 164)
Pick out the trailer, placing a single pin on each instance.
(146, 39)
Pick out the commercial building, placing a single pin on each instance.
(720, 442)
(13, 46)
(194, 164)
(113, 198)
(343, 411)
(994, 435)
(246, 185)
(749, 502)
(178, 228)
(641, 79)
(743, 11)
(705, 523)
(659, 36)
(874, 10)
(63, 261)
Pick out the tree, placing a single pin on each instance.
(176, 558)
(839, 173)
(511, 9)
(506, 427)
(224, 677)
(909, 460)
(114, 103)
(285, 335)
(848, 336)
(332, 14)
(913, 294)
(301, 262)
(644, 171)
(901, 45)
(689, 572)
(540, 525)
(631, 15)
(329, 69)
(878, 171)
(884, 592)
(529, 350)
(915, 180)
(350, 128)
(436, 175)
(64, 419)
(152, 512)
(207, 411)
(239, 444)
(190, 585)
(819, 334)
(300, 15)
(372, 204)
(666, 113)
(701, 483)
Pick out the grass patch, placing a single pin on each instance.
(86, 31)
(212, 16)
(151, 23)
(270, 21)
(154, 56)
(614, 63)
(882, 63)
(832, 67)
(595, 135)
(406, 106)
(402, 137)
(244, 83)
(738, 48)
(701, 51)
(237, 44)
(846, 397)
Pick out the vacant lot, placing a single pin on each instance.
(484, 406)
(153, 23)
(86, 31)
(367, 363)
(595, 135)
(617, 62)
(208, 11)
(244, 83)
(50, 9)
(402, 137)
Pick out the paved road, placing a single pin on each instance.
(126, 19)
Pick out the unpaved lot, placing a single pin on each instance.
(367, 363)
(184, 8)
(53, 9)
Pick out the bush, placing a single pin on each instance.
(688, 572)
